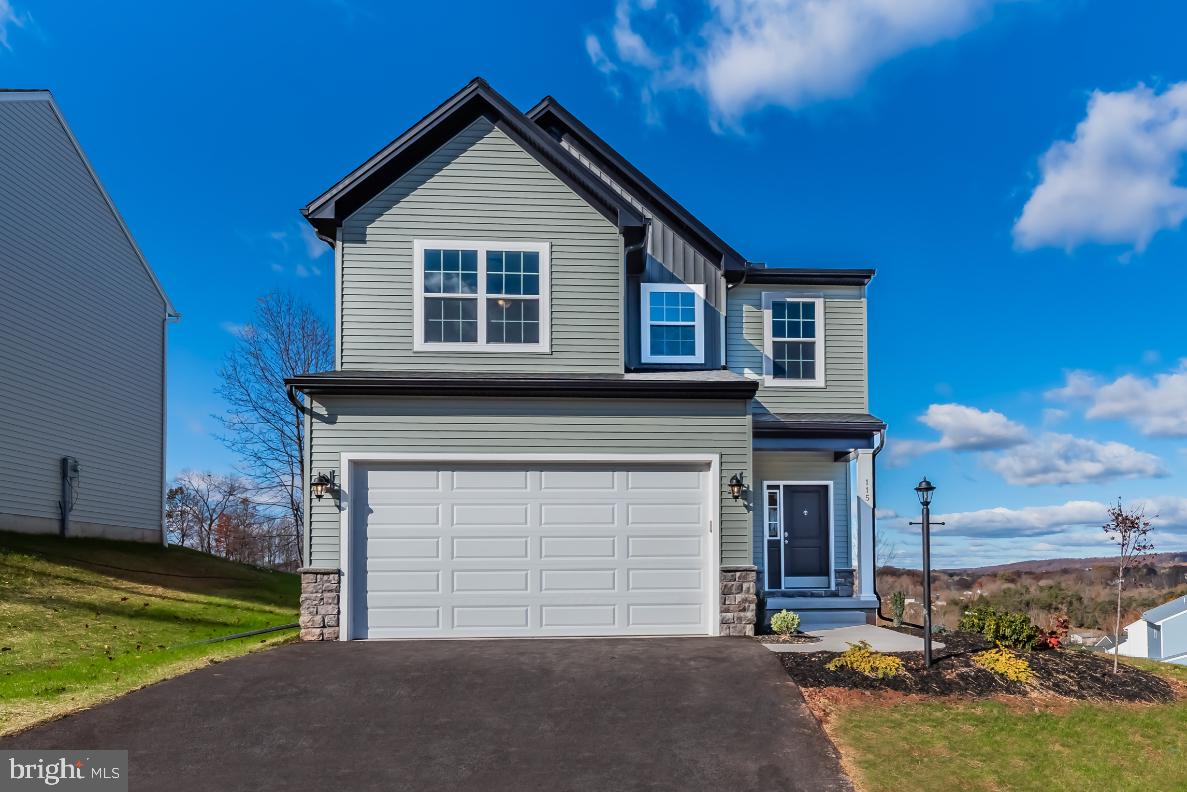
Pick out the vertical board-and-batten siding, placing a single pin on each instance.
(531, 426)
(803, 466)
(670, 259)
(480, 185)
(846, 386)
(81, 341)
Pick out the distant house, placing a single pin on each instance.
(82, 342)
(1160, 634)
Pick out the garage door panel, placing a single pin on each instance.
(491, 551)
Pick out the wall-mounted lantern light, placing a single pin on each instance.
(736, 486)
(322, 483)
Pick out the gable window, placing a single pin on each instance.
(793, 340)
(673, 327)
(481, 296)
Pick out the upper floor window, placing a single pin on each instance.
(793, 339)
(481, 296)
(673, 327)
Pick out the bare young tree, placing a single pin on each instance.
(1130, 530)
(200, 501)
(286, 337)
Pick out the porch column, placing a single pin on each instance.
(866, 561)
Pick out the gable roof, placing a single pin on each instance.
(44, 95)
(476, 99)
(1166, 610)
(551, 115)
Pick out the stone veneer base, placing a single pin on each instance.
(739, 600)
(319, 603)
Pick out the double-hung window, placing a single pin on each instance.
(793, 340)
(481, 296)
(673, 326)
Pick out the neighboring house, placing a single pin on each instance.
(1160, 634)
(82, 342)
(551, 379)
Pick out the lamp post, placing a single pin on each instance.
(924, 490)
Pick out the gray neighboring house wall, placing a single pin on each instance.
(82, 340)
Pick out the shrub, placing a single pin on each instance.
(863, 659)
(785, 622)
(898, 606)
(1005, 662)
(1014, 630)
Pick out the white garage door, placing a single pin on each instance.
(541, 550)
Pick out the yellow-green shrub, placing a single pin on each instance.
(862, 658)
(785, 622)
(1005, 662)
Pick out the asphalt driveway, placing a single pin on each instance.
(599, 715)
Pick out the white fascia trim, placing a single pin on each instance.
(832, 524)
(544, 346)
(645, 291)
(770, 381)
(348, 461)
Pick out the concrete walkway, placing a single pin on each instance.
(838, 639)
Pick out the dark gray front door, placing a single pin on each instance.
(805, 536)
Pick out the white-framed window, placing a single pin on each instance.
(793, 340)
(673, 322)
(480, 296)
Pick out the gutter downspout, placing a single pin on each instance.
(874, 526)
(169, 318)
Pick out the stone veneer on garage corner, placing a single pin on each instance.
(738, 599)
(319, 603)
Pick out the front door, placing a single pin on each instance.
(805, 536)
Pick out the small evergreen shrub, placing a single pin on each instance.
(1014, 630)
(1005, 662)
(898, 606)
(785, 622)
(862, 658)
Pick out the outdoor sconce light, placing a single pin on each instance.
(736, 486)
(321, 483)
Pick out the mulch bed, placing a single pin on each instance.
(1069, 673)
(795, 638)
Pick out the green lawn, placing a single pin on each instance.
(85, 620)
(991, 745)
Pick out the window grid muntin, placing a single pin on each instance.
(793, 360)
(794, 335)
(512, 321)
(672, 305)
(520, 270)
(673, 340)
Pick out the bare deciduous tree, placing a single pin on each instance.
(198, 501)
(286, 337)
(1130, 530)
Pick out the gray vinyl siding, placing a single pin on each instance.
(480, 186)
(81, 342)
(670, 259)
(845, 371)
(803, 466)
(507, 426)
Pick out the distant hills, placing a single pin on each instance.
(1060, 564)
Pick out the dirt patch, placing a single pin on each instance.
(1063, 673)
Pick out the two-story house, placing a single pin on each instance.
(563, 406)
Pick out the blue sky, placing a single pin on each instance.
(1012, 170)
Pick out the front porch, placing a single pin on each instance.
(813, 516)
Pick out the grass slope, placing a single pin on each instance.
(997, 745)
(85, 620)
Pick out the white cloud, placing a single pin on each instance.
(597, 55)
(964, 428)
(1064, 459)
(9, 19)
(235, 329)
(1156, 405)
(886, 514)
(314, 247)
(1053, 415)
(1026, 521)
(749, 54)
(1114, 182)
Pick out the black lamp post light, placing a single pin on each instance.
(322, 483)
(924, 489)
